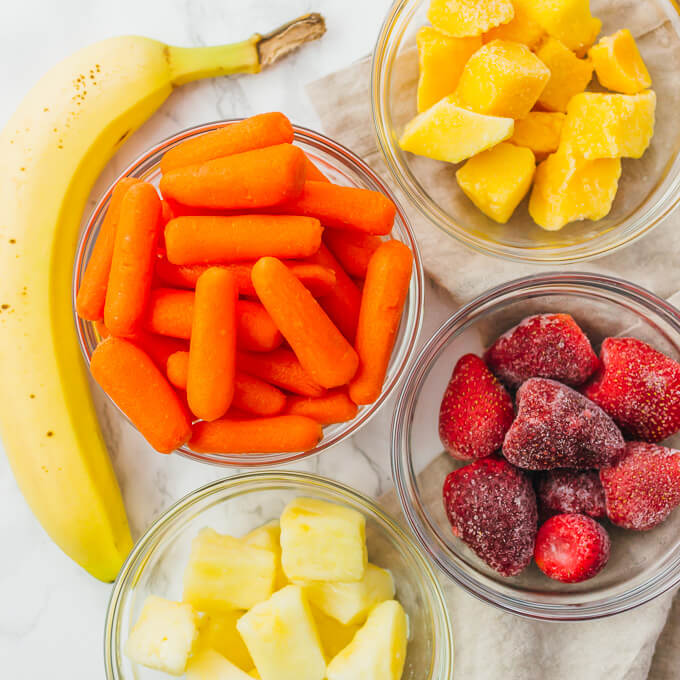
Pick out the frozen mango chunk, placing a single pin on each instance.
(539, 131)
(502, 78)
(219, 632)
(619, 65)
(609, 125)
(334, 635)
(567, 189)
(522, 29)
(498, 179)
(461, 18)
(211, 665)
(268, 536)
(569, 75)
(442, 60)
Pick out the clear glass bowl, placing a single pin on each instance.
(649, 188)
(643, 564)
(241, 503)
(341, 166)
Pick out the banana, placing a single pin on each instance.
(52, 150)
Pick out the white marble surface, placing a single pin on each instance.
(51, 612)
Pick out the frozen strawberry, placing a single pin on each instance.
(476, 411)
(571, 548)
(639, 387)
(642, 488)
(556, 427)
(492, 507)
(543, 346)
(580, 491)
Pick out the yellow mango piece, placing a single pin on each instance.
(539, 131)
(569, 75)
(609, 125)
(498, 179)
(522, 29)
(461, 18)
(254, 674)
(211, 665)
(268, 536)
(567, 189)
(447, 132)
(334, 635)
(502, 78)
(442, 59)
(619, 65)
(218, 632)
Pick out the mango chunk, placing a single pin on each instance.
(498, 179)
(268, 536)
(218, 632)
(569, 75)
(461, 18)
(539, 131)
(609, 125)
(254, 674)
(334, 635)
(442, 60)
(522, 29)
(619, 65)
(567, 189)
(210, 665)
(502, 78)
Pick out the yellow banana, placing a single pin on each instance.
(52, 150)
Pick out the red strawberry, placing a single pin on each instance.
(492, 507)
(571, 548)
(643, 487)
(639, 388)
(560, 491)
(476, 411)
(543, 346)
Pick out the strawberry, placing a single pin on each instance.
(571, 548)
(639, 387)
(491, 506)
(476, 411)
(642, 488)
(543, 346)
(560, 491)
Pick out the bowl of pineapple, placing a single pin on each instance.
(279, 576)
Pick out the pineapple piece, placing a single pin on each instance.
(447, 132)
(461, 18)
(163, 636)
(522, 29)
(442, 60)
(268, 536)
(502, 78)
(224, 573)
(619, 65)
(218, 632)
(210, 665)
(609, 125)
(322, 541)
(497, 180)
(282, 638)
(540, 132)
(333, 634)
(378, 650)
(569, 75)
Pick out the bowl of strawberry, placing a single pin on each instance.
(534, 446)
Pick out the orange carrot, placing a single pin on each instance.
(321, 348)
(312, 173)
(334, 407)
(177, 368)
(256, 331)
(382, 302)
(318, 280)
(353, 249)
(279, 434)
(254, 179)
(281, 368)
(141, 391)
(212, 240)
(92, 291)
(265, 129)
(167, 213)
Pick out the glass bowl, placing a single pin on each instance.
(643, 564)
(341, 166)
(238, 505)
(649, 188)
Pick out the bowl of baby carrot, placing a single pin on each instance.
(248, 292)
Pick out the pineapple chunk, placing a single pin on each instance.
(540, 132)
(502, 78)
(619, 65)
(210, 665)
(163, 636)
(522, 29)
(268, 537)
(282, 638)
(461, 18)
(447, 132)
(218, 632)
(224, 573)
(333, 634)
(378, 650)
(569, 75)
(442, 60)
(498, 179)
(322, 541)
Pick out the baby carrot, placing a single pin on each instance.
(141, 391)
(321, 348)
(353, 249)
(134, 253)
(278, 434)
(382, 301)
(167, 212)
(334, 407)
(318, 280)
(176, 368)
(312, 173)
(265, 129)
(281, 368)
(212, 240)
(256, 331)
(92, 291)
(253, 179)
